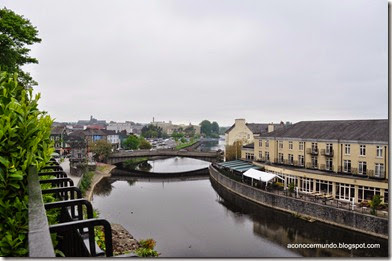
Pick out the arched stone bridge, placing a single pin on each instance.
(212, 156)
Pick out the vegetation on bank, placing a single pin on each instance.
(86, 181)
(101, 149)
(133, 142)
(233, 152)
(132, 163)
(186, 144)
(209, 129)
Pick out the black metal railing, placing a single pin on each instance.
(313, 151)
(75, 231)
(327, 152)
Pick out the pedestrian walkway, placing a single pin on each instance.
(66, 168)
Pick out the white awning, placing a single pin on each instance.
(260, 175)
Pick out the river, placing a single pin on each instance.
(191, 218)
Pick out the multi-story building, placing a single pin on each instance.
(113, 138)
(120, 126)
(346, 159)
(57, 134)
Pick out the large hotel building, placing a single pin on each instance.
(346, 159)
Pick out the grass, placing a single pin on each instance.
(187, 144)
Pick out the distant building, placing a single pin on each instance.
(120, 126)
(169, 128)
(344, 159)
(92, 122)
(57, 134)
(113, 138)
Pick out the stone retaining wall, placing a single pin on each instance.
(369, 224)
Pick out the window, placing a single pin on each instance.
(291, 159)
(347, 149)
(267, 158)
(280, 159)
(379, 170)
(362, 150)
(344, 191)
(260, 143)
(362, 167)
(329, 165)
(379, 151)
(347, 166)
(301, 160)
(249, 156)
(329, 149)
(260, 155)
(314, 146)
(306, 185)
(301, 145)
(314, 162)
(267, 143)
(280, 144)
(290, 145)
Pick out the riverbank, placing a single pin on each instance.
(123, 242)
(363, 223)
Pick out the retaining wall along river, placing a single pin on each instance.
(364, 223)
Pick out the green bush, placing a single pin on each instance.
(146, 248)
(24, 142)
(86, 181)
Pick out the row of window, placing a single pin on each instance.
(347, 147)
(362, 166)
(343, 191)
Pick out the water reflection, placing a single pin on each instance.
(284, 229)
(188, 218)
(172, 165)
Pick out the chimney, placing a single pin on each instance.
(271, 127)
(239, 122)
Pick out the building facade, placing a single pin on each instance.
(347, 160)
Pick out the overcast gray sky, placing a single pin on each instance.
(185, 60)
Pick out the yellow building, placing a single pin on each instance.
(347, 160)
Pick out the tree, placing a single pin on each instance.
(205, 128)
(374, 204)
(131, 143)
(152, 131)
(16, 33)
(102, 149)
(190, 131)
(215, 127)
(144, 144)
(233, 152)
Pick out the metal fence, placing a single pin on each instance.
(75, 227)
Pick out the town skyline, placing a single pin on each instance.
(264, 61)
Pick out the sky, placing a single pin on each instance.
(190, 60)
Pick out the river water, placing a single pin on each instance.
(193, 217)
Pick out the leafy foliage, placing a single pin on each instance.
(152, 131)
(86, 182)
(374, 204)
(233, 152)
(209, 129)
(146, 248)
(24, 141)
(16, 32)
(102, 149)
(144, 144)
(131, 143)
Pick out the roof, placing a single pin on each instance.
(57, 130)
(238, 165)
(91, 132)
(260, 175)
(257, 128)
(355, 130)
(109, 132)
